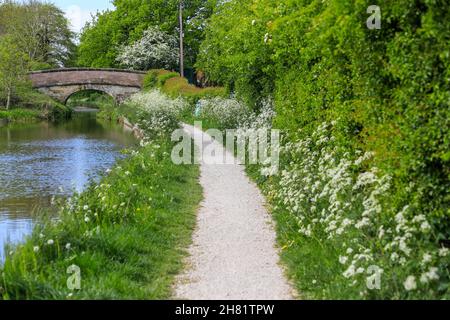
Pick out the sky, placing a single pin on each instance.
(79, 11)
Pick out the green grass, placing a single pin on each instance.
(90, 99)
(20, 115)
(141, 218)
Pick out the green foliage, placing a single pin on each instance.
(128, 234)
(172, 84)
(150, 79)
(162, 79)
(33, 35)
(40, 30)
(13, 66)
(101, 38)
(387, 90)
(90, 99)
(156, 78)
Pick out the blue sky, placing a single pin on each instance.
(79, 11)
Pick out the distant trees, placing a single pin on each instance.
(33, 35)
(40, 30)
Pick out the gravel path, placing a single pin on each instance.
(233, 254)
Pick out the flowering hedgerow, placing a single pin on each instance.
(156, 112)
(224, 113)
(338, 198)
(341, 200)
(155, 50)
(231, 113)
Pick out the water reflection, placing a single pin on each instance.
(43, 160)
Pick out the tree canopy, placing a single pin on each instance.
(33, 35)
(102, 37)
(155, 50)
(40, 30)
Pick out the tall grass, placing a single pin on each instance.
(127, 234)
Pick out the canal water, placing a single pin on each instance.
(46, 160)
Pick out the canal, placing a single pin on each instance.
(39, 162)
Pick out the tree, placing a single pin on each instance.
(156, 50)
(13, 66)
(109, 30)
(40, 29)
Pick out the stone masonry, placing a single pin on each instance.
(60, 84)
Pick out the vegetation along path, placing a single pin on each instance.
(233, 254)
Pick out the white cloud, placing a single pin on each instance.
(77, 17)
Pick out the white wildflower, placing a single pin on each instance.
(443, 252)
(362, 223)
(343, 259)
(426, 258)
(425, 226)
(430, 275)
(410, 283)
(394, 256)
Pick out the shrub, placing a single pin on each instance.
(172, 84)
(223, 113)
(155, 112)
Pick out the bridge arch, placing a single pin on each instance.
(60, 84)
(89, 90)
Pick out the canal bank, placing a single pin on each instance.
(43, 161)
(127, 233)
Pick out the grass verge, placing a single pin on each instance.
(127, 234)
(20, 115)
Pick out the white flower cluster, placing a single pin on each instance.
(259, 120)
(157, 112)
(338, 197)
(155, 50)
(234, 114)
(319, 188)
(226, 113)
(155, 100)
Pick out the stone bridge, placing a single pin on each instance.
(60, 84)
